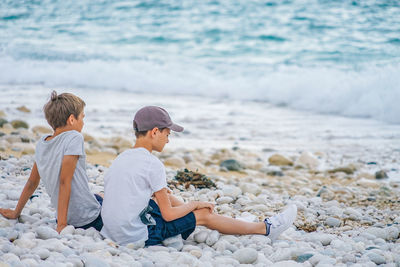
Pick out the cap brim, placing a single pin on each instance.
(176, 128)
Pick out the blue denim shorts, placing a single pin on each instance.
(163, 229)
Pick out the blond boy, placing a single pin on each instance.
(60, 165)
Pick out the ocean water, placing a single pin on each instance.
(336, 57)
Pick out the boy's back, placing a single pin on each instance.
(132, 179)
(83, 206)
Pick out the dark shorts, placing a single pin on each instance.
(163, 229)
(98, 222)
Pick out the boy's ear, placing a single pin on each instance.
(154, 131)
(71, 119)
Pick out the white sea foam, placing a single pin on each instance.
(372, 93)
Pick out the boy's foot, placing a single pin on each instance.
(278, 223)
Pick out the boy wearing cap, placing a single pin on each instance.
(131, 215)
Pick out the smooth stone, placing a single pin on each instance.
(201, 236)
(68, 230)
(308, 160)
(353, 214)
(224, 200)
(175, 242)
(246, 255)
(347, 170)
(11, 259)
(91, 261)
(377, 232)
(376, 258)
(392, 233)
(29, 262)
(325, 239)
(13, 195)
(381, 175)
(231, 191)
(250, 188)
(45, 232)
(333, 222)
(2, 122)
(196, 253)
(220, 246)
(19, 124)
(24, 148)
(231, 165)
(12, 235)
(23, 109)
(288, 263)
(303, 257)
(25, 243)
(42, 253)
(279, 160)
(212, 238)
(349, 258)
(272, 170)
(23, 218)
(4, 223)
(4, 233)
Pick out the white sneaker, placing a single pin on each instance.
(278, 223)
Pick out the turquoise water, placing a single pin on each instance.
(340, 57)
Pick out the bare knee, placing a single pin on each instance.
(202, 216)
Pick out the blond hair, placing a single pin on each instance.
(60, 107)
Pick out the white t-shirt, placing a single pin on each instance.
(83, 207)
(128, 186)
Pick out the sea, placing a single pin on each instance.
(338, 57)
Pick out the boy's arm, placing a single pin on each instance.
(27, 192)
(66, 175)
(170, 213)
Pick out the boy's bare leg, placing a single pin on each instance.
(226, 225)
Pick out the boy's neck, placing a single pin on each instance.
(58, 131)
(143, 142)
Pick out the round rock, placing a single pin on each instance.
(231, 191)
(333, 222)
(279, 160)
(246, 255)
(224, 200)
(212, 238)
(44, 232)
(201, 236)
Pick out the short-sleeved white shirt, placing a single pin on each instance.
(83, 207)
(128, 186)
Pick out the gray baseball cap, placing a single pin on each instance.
(149, 117)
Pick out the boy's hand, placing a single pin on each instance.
(60, 227)
(201, 205)
(9, 214)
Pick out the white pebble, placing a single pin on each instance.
(246, 255)
(224, 200)
(45, 232)
(201, 236)
(68, 230)
(212, 238)
(333, 222)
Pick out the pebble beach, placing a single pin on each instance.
(341, 173)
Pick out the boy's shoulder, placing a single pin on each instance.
(141, 155)
(63, 138)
